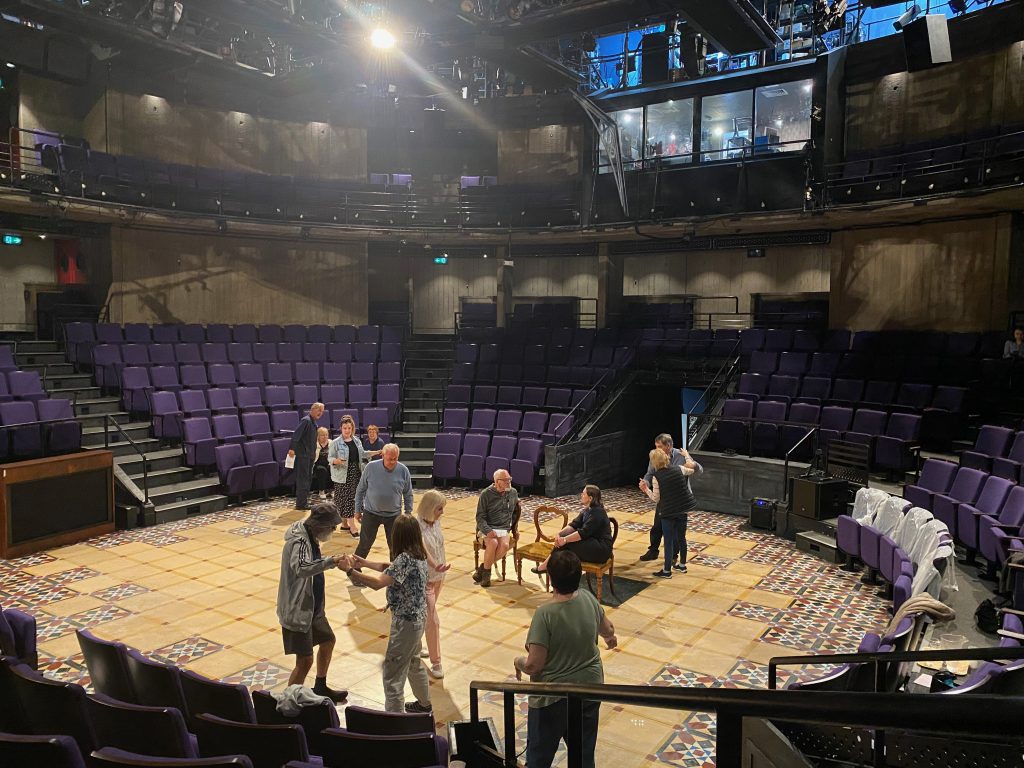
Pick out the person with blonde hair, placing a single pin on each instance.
(347, 458)
(670, 490)
(429, 512)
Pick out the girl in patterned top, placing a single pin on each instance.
(405, 578)
(429, 512)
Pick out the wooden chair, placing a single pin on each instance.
(478, 541)
(599, 569)
(539, 549)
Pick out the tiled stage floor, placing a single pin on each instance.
(202, 593)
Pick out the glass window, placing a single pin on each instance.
(782, 117)
(630, 123)
(726, 125)
(670, 131)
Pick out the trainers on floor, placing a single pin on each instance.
(679, 567)
(415, 708)
(424, 654)
(478, 574)
(435, 671)
(336, 696)
(663, 574)
(485, 579)
(650, 554)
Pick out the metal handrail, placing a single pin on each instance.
(730, 363)
(814, 429)
(976, 716)
(108, 419)
(578, 423)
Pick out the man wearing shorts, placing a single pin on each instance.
(300, 598)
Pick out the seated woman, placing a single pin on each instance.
(1015, 347)
(589, 536)
(321, 466)
(372, 443)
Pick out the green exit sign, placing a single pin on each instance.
(12, 239)
(440, 259)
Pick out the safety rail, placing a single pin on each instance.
(682, 162)
(718, 388)
(976, 716)
(108, 421)
(812, 434)
(616, 374)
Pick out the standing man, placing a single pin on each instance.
(303, 450)
(300, 598)
(677, 458)
(385, 487)
(494, 512)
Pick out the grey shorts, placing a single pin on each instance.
(302, 643)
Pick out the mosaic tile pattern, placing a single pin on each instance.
(70, 577)
(67, 670)
(119, 592)
(711, 561)
(261, 676)
(677, 676)
(755, 612)
(42, 592)
(249, 530)
(184, 651)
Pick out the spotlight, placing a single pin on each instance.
(382, 39)
(911, 13)
(718, 132)
(10, 65)
(958, 6)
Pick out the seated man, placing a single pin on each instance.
(494, 514)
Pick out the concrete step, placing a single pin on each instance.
(67, 381)
(422, 357)
(417, 466)
(429, 388)
(422, 482)
(53, 370)
(421, 403)
(420, 427)
(186, 490)
(90, 406)
(99, 419)
(124, 448)
(179, 510)
(93, 436)
(156, 459)
(24, 357)
(161, 477)
(432, 373)
(416, 439)
(37, 345)
(417, 453)
(78, 394)
(419, 416)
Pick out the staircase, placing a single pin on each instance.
(174, 490)
(428, 365)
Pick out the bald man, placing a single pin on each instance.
(494, 512)
(384, 488)
(303, 449)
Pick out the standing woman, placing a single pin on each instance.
(672, 493)
(346, 473)
(429, 512)
(589, 536)
(406, 580)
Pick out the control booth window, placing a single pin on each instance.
(782, 117)
(726, 126)
(630, 123)
(670, 132)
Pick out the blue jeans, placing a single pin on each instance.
(546, 726)
(674, 529)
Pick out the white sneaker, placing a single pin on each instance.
(435, 671)
(424, 654)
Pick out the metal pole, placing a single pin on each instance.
(510, 728)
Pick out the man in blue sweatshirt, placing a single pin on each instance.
(384, 488)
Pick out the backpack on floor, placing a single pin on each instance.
(987, 617)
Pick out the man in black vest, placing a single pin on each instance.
(670, 490)
(677, 458)
(303, 449)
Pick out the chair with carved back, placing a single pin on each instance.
(608, 566)
(539, 550)
(478, 541)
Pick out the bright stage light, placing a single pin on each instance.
(382, 39)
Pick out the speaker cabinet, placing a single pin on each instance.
(926, 41)
(654, 58)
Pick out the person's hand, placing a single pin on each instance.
(359, 516)
(442, 567)
(491, 535)
(559, 541)
(357, 561)
(515, 664)
(643, 485)
(291, 453)
(611, 642)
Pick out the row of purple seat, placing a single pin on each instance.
(887, 395)
(549, 426)
(7, 362)
(543, 354)
(982, 511)
(21, 385)
(865, 365)
(253, 465)
(138, 383)
(997, 450)
(476, 457)
(483, 395)
(109, 359)
(771, 428)
(915, 343)
(553, 334)
(60, 433)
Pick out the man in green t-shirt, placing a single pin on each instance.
(562, 647)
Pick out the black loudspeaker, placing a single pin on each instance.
(926, 41)
(762, 514)
(819, 498)
(692, 52)
(654, 58)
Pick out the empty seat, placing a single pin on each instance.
(156, 683)
(472, 459)
(991, 442)
(22, 442)
(216, 698)
(966, 488)
(989, 503)
(107, 661)
(342, 747)
(502, 451)
(268, 746)
(157, 731)
(936, 477)
(895, 449)
(732, 435)
(62, 433)
(48, 750)
(447, 448)
(764, 436)
(199, 442)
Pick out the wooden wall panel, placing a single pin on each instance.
(947, 276)
(32, 262)
(562, 276)
(544, 154)
(437, 290)
(171, 278)
(52, 106)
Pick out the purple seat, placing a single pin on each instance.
(245, 333)
(78, 340)
(777, 339)
(870, 539)
(368, 333)
(362, 372)
(156, 731)
(156, 684)
(389, 372)
(135, 354)
(365, 352)
(264, 353)
(1009, 466)
(389, 396)
(334, 373)
(805, 340)
(333, 396)
(990, 502)
(199, 442)
(782, 388)
(834, 421)
(48, 706)
(764, 437)
(5, 396)
(879, 392)
(187, 353)
(990, 443)
(194, 403)
(251, 375)
(162, 354)
(344, 747)
(483, 420)
(474, 453)
(249, 399)
(289, 352)
(259, 454)
(339, 352)
(314, 352)
(294, 333)
(751, 340)
(558, 426)
(165, 377)
(319, 334)
(848, 537)
(166, 333)
(270, 334)
(994, 530)
(507, 423)
(22, 442)
(558, 398)
(213, 352)
(915, 397)
(458, 394)
(734, 435)
(218, 333)
(390, 352)
(752, 386)
(378, 416)
(847, 390)
(360, 395)
(107, 661)
(534, 423)
(277, 398)
(109, 333)
(523, 468)
(227, 429)
(25, 385)
(284, 421)
(106, 364)
(455, 420)
(764, 362)
(345, 333)
(304, 395)
(837, 340)
(895, 449)
(52, 751)
(192, 333)
(62, 433)
(802, 418)
(485, 394)
(194, 377)
(268, 745)
(936, 477)
(534, 397)
(463, 373)
(824, 364)
(222, 375)
(502, 451)
(867, 425)
(447, 448)
(815, 389)
(510, 395)
(280, 374)
(965, 490)
(216, 698)
(256, 425)
(166, 416)
(793, 363)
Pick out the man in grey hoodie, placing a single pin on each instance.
(300, 597)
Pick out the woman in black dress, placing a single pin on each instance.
(347, 456)
(589, 536)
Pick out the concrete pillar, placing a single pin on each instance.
(506, 282)
(609, 287)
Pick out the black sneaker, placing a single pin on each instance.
(650, 554)
(663, 574)
(478, 574)
(336, 696)
(415, 708)
(679, 567)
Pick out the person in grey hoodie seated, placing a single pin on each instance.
(301, 597)
(384, 489)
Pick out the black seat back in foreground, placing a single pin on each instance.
(31, 751)
(112, 756)
(268, 746)
(156, 684)
(376, 723)
(312, 719)
(155, 731)
(202, 695)
(108, 666)
(54, 707)
(343, 748)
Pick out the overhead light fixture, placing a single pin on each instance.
(718, 132)
(381, 39)
(10, 65)
(911, 13)
(958, 6)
